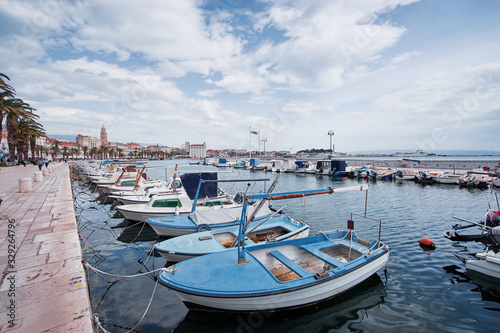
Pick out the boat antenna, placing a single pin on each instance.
(241, 234)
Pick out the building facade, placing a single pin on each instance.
(198, 150)
(88, 141)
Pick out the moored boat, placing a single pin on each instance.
(203, 218)
(278, 275)
(449, 178)
(196, 244)
(286, 274)
(182, 200)
(486, 266)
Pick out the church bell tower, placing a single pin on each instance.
(104, 136)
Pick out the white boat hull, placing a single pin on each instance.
(165, 231)
(484, 268)
(132, 201)
(142, 217)
(294, 298)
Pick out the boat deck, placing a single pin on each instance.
(289, 262)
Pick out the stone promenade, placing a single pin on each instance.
(43, 288)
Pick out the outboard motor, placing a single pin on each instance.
(238, 198)
(492, 219)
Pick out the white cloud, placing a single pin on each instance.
(404, 57)
(173, 70)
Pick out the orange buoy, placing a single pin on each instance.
(427, 242)
(344, 178)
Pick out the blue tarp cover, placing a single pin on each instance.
(254, 161)
(190, 181)
(302, 164)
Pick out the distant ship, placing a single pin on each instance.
(416, 153)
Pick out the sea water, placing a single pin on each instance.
(420, 291)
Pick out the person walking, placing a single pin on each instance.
(40, 165)
(46, 163)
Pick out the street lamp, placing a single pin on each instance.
(330, 133)
(264, 141)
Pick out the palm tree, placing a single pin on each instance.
(39, 151)
(75, 151)
(55, 149)
(85, 150)
(93, 152)
(65, 152)
(28, 131)
(17, 109)
(105, 150)
(119, 152)
(35, 130)
(7, 94)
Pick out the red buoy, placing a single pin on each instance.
(427, 242)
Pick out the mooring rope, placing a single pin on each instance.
(121, 276)
(98, 324)
(147, 308)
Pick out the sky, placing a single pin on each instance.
(381, 74)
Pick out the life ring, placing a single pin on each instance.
(203, 226)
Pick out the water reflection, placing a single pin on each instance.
(489, 290)
(133, 231)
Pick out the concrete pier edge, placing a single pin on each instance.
(44, 287)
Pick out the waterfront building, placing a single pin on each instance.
(186, 146)
(198, 150)
(88, 141)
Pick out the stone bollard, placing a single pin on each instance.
(45, 172)
(49, 169)
(38, 176)
(25, 185)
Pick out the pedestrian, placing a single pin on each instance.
(40, 165)
(46, 163)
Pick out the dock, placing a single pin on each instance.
(43, 286)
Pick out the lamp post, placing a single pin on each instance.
(330, 133)
(264, 141)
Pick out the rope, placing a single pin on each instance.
(121, 276)
(98, 324)
(149, 304)
(332, 240)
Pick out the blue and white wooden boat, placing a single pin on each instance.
(272, 276)
(216, 217)
(193, 245)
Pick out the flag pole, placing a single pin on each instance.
(259, 142)
(250, 137)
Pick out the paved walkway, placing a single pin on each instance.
(44, 289)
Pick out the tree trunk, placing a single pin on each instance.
(12, 135)
(33, 147)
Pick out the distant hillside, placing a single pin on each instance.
(62, 137)
(440, 152)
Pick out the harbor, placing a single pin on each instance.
(418, 288)
(250, 166)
